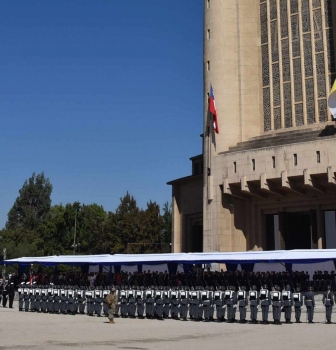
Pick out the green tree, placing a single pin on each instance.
(151, 229)
(32, 205)
(128, 221)
(167, 223)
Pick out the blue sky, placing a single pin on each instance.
(104, 96)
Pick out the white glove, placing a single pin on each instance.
(234, 306)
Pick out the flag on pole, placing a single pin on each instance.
(212, 109)
(332, 100)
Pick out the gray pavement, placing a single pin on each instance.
(26, 330)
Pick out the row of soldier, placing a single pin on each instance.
(163, 302)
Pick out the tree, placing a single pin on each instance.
(128, 221)
(167, 223)
(32, 205)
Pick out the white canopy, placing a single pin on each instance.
(250, 257)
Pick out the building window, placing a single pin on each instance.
(253, 164)
(234, 167)
(318, 156)
(208, 34)
(273, 162)
(208, 65)
(208, 4)
(295, 159)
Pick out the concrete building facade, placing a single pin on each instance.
(268, 179)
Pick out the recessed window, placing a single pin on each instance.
(295, 159)
(208, 65)
(253, 164)
(234, 167)
(318, 156)
(273, 162)
(208, 4)
(208, 34)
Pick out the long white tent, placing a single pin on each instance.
(251, 257)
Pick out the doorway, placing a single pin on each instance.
(295, 230)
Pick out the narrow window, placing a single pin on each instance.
(273, 162)
(253, 164)
(208, 33)
(208, 4)
(208, 65)
(235, 167)
(295, 159)
(318, 156)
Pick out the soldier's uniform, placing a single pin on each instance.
(254, 302)
(105, 306)
(50, 301)
(64, 301)
(117, 307)
(174, 304)
(124, 302)
(32, 298)
(89, 302)
(111, 300)
(38, 297)
(81, 301)
(98, 302)
(131, 308)
(287, 303)
(276, 299)
(150, 301)
(57, 300)
(159, 304)
(26, 296)
(140, 303)
(219, 301)
(166, 303)
(231, 304)
(265, 301)
(242, 304)
(72, 305)
(208, 308)
(297, 300)
(21, 296)
(194, 304)
(310, 304)
(183, 304)
(328, 302)
(44, 298)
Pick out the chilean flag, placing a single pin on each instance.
(212, 109)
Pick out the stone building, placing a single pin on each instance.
(268, 179)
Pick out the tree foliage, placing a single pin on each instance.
(34, 227)
(32, 205)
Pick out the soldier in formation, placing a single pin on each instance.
(328, 302)
(276, 300)
(297, 301)
(176, 303)
(310, 305)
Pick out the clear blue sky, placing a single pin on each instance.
(104, 96)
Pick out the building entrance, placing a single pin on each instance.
(194, 241)
(296, 230)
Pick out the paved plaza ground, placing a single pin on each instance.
(26, 330)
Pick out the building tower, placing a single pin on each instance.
(269, 175)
